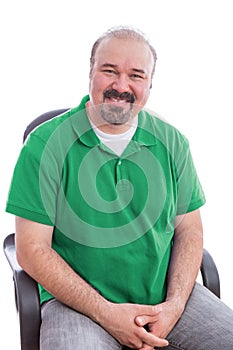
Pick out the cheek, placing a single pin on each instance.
(95, 89)
(98, 86)
(143, 94)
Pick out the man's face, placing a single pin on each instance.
(120, 80)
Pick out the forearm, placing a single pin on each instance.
(56, 276)
(37, 257)
(185, 260)
(183, 269)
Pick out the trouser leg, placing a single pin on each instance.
(65, 329)
(206, 324)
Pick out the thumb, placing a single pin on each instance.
(142, 320)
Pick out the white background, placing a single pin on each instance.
(45, 50)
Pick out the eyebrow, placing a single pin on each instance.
(109, 65)
(137, 70)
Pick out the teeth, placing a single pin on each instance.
(118, 100)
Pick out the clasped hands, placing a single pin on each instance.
(142, 327)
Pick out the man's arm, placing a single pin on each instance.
(39, 260)
(183, 269)
(37, 257)
(185, 259)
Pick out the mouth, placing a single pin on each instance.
(116, 101)
(113, 96)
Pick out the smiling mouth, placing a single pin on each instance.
(116, 97)
(117, 100)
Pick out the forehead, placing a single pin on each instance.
(128, 52)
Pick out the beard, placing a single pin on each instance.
(114, 114)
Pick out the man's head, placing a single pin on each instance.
(122, 33)
(122, 65)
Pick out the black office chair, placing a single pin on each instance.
(26, 289)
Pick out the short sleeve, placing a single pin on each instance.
(190, 193)
(33, 189)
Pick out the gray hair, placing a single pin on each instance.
(122, 32)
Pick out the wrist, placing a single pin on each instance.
(177, 304)
(102, 312)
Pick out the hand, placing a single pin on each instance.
(162, 323)
(119, 321)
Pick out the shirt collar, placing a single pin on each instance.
(81, 125)
(144, 135)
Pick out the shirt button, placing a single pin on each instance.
(119, 162)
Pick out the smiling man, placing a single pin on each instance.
(120, 80)
(107, 203)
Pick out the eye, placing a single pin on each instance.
(137, 76)
(109, 71)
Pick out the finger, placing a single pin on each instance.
(146, 347)
(149, 314)
(142, 320)
(151, 340)
(151, 310)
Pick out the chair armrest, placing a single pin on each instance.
(26, 298)
(210, 274)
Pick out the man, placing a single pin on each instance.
(107, 201)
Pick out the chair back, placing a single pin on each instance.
(41, 119)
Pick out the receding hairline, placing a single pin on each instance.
(123, 32)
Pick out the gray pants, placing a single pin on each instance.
(206, 324)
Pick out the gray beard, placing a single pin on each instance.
(115, 115)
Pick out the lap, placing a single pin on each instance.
(207, 323)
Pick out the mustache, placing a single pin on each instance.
(112, 93)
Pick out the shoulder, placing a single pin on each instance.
(163, 131)
(46, 128)
(58, 125)
(49, 138)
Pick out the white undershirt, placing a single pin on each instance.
(116, 142)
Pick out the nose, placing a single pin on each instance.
(121, 83)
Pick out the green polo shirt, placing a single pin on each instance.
(113, 216)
